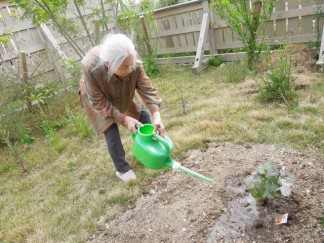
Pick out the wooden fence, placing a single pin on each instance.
(183, 26)
(190, 27)
(40, 42)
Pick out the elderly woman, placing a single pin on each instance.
(112, 88)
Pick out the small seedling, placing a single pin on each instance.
(270, 180)
(321, 221)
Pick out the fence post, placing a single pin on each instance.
(320, 61)
(26, 80)
(202, 39)
(53, 46)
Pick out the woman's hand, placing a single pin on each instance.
(130, 123)
(158, 125)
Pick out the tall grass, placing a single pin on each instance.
(65, 192)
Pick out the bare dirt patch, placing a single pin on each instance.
(179, 208)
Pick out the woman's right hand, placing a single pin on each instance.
(130, 123)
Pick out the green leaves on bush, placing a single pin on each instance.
(278, 85)
(151, 67)
(214, 62)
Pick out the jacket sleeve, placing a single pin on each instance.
(97, 99)
(148, 93)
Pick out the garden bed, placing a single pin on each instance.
(179, 208)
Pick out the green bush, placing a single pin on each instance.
(151, 67)
(278, 85)
(214, 62)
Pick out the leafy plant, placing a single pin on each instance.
(269, 182)
(78, 119)
(37, 99)
(49, 128)
(151, 67)
(321, 221)
(277, 86)
(214, 62)
(26, 139)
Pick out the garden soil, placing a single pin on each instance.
(177, 207)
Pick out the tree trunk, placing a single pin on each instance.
(103, 14)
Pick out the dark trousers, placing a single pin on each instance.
(115, 146)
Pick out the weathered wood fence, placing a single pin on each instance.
(193, 27)
(190, 27)
(43, 45)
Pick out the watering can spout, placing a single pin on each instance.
(178, 166)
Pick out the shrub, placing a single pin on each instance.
(151, 67)
(214, 62)
(278, 85)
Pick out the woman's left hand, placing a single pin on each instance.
(158, 125)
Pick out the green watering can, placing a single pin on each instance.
(154, 152)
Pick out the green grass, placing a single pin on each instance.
(65, 192)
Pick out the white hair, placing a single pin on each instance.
(115, 49)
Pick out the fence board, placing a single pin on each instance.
(179, 28)
(281, 24)
(181, 25)
(194, 17)
(306, 3)
(293, 23)
(27, 37)
(178, 9)
(288, 23)
(269, 28)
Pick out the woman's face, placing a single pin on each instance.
(125, 68)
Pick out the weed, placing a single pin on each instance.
(26, 139)
(214, 62)
(80, 122)
(13, 148)
(235, 72)
(321, 221)
(49, 129)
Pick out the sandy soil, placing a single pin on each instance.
(177, 207)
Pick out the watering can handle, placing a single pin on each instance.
(162, 140)
(158, 138)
